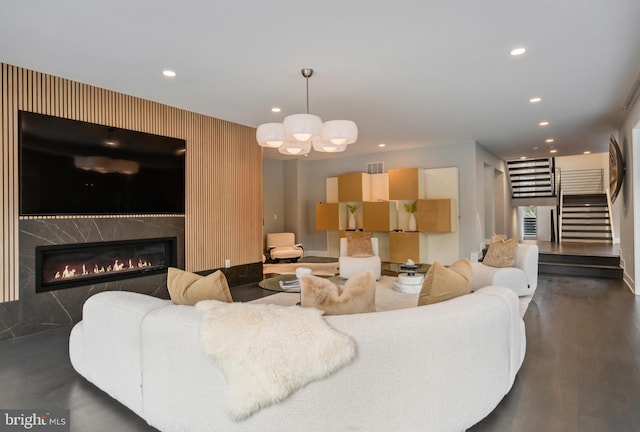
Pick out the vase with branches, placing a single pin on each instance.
(412, 208)
(352, 218)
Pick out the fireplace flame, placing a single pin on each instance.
(116, 266)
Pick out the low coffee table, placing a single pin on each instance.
(394, 269)
(273, 283)
(410, 278)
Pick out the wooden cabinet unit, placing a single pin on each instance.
(328, 216)
(407, 245)
(354, 187)
(406, 184)
(379, 216)
(380, 200)
(434, 215)
(379, 187)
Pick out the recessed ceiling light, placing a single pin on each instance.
(523, 157)
(549, 140)
(553, 151)
(518, 51)
(168, 73)
(111, 143)
(275, 109)
(587, 152)
(544, 123)
(535, 100)
(382, 145)
(535, 148)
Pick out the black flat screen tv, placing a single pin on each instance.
(69, 167)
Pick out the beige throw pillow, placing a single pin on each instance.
(358, 295)
(187, 288)
(501, 253)
(442, 283)
(359, 244)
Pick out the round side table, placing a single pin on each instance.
(409, 283)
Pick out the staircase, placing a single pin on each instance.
(580, 265)
(585, 218)
(532, 178)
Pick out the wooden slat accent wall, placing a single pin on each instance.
(223, 217)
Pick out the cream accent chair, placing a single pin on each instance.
(283, 246)
(350, 266)
(522, 278)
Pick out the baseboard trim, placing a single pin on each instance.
(316, 253)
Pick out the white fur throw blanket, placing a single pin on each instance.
(267, 351)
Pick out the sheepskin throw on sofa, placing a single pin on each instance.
(267, 351)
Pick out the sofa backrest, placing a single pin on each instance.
(343, 246)
(446, 364)
(281, 239)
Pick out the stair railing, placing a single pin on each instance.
(555, 177)
(561, 207)
(583, 181)
(559, 195)
(609, 208)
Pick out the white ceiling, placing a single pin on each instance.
(410, 72)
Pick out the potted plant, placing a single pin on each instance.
(411, 208)
(352, 219)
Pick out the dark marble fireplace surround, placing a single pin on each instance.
(42, 311)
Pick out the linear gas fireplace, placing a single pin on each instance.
(70, 265)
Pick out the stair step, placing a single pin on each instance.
(546, 194)
(584, 217)
(591, 228)
(583, 233)
(587, 239)
(588, 196)
(585, 199)
(596, 260)
(610, 272)
(533, 177)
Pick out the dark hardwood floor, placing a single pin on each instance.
(581, 371)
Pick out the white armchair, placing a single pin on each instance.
(350, 266)
(283, 246)
(523, 278)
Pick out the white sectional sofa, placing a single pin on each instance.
(522, 279)
(441, 367)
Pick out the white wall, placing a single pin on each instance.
(582, 162)
(487, 162)
(295, 214)
(629, 201)
(273, 196)
(543, 222)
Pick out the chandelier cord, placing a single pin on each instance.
(307, 78)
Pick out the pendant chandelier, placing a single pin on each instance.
(299, 132)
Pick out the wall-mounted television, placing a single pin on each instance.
(69, 167)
